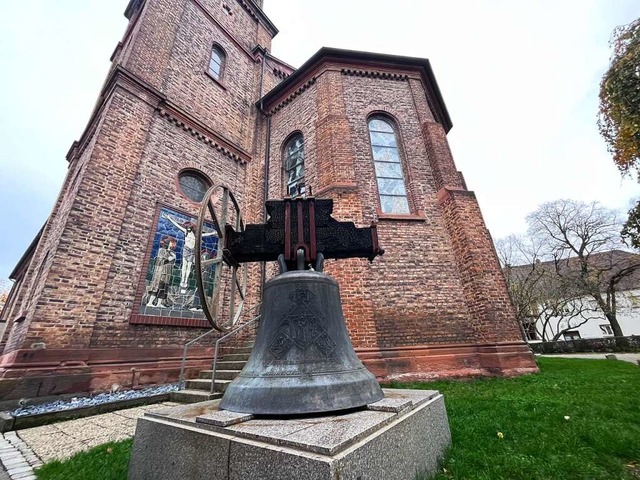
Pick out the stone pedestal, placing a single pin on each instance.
(404, 434)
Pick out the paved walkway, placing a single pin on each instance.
(24, 450)
(625, 357)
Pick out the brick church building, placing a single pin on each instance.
(106, 292)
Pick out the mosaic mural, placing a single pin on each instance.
(171, 286)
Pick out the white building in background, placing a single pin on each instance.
(582, 317)
(596, 325)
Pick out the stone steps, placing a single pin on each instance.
(229, 366)
(202, 384)
(194, 396)
(235, 357)
(220, 374)
(240, 350)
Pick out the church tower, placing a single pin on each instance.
(106, 293)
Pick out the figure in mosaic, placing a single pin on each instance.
(162, 271)
(188, 229)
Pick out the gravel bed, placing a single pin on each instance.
(100, 399)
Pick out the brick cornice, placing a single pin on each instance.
(118, 77)
(446, 192)
(123, 78)
(374, 74)
(289, 98)
(258, 15)
(367, 63)
(336, 187)
(197, 129)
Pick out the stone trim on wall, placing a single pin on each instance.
(289, 98)
(226, 32)
(374, 74)
(429, 362)
(202, 133)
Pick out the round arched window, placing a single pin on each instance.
(193, 185)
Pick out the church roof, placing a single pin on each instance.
(365, 60)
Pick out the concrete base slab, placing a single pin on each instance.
(396, 438)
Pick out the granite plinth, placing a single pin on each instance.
(403, 434)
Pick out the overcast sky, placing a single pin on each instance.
(520, 79)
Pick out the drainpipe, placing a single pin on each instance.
(267, 148)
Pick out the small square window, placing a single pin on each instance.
(606, 329)
(572, 335)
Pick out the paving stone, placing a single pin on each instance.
(14, 462)
(24, 476)
(390, 405)
(84, 432)
(223, 418)
(107, 420)
(64, 439)
(10, 453)
(113, 437)
(14, 471)
(56, 447)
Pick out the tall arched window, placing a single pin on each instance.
(386, 157)
(216, 63)
(294, 165)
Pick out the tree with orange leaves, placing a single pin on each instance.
(619, 118)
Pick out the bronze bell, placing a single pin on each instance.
(302, 361)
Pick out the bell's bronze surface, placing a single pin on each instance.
(302, 361)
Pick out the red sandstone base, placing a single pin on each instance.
(40, 373)
(428, 362)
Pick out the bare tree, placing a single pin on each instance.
(546, 304)
(519, 261)
(560, 306)
(582, 242)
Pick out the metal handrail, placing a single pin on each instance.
(181, 379)
(215, 353)
(184, 356)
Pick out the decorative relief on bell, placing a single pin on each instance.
(302, 327)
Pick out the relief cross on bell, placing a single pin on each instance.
(302, 361)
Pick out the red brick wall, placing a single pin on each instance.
(438, 283)
(34, 280)
(84, 294)
(423, 290)
(171, 52)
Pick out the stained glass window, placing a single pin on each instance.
(386, 158)
(216, 63)
(294, 165)
(193, 185)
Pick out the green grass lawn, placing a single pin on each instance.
(599, 440)
(105, 462)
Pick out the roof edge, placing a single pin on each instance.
(374, 59)
(26, 255)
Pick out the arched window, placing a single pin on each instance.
(386, 157)
(193, 185)
(294, 165)
(216, 63)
